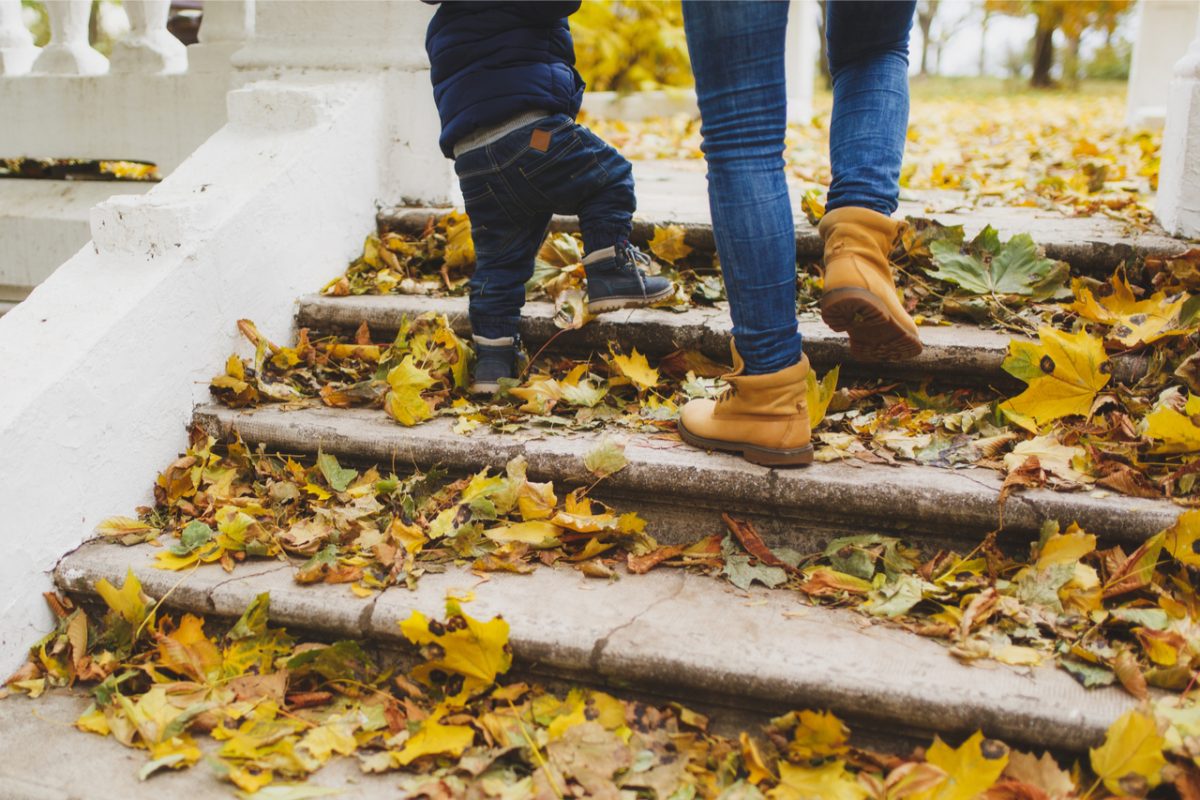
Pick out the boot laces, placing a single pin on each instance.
(631, 259)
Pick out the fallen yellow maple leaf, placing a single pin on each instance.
(970, 770)
(1182, 540)
(478, 651)
(1175, 431)
(637, 369)
(1064, 372)
(1132, 322)
(434, 738)
(668, 243)
(1132, 749)
(830, 781)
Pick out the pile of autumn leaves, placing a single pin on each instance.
(274, 710)
(1111, 372)
(1108, 616)
(1066, 152)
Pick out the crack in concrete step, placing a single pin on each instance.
(680, 635)
(688, 488)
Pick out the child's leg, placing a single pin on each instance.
(506, 240)
(606, 214)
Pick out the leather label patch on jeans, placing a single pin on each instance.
(540, 140)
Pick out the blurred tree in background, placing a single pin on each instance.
(1073, 18)
(631, 45)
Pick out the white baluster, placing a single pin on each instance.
(69, 52)
(1178, 205)
(224, 29)
(16, 42)
(801, 55)
(1163, 34)
(150, 48)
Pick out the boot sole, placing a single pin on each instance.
(875, 334)
(763, 456)
(484, 388)
(617, 303)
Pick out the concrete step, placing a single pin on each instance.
(682, 491)
(671, 634)
(960, 353)
(676, 193)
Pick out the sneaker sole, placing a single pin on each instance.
(617, 303)
(875, 335)
(763, 456)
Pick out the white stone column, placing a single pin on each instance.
(1178, 204)
(17, 51)
(149, 48)
(224, 29)
(801, 55)
(1163, 34)
(69, 52)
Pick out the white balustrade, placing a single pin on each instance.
(149, 48)
(69, 52)
(1178, 204)
(17, 51)
(224, 29)
(1163, 33)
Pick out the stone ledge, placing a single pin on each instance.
(676, 193)
(683, 635)
(957, 352)
(799, 506)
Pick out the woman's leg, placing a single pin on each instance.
(868, 59)
(737, 52)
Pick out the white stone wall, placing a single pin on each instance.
(100, 367)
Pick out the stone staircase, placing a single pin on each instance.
(668, 634)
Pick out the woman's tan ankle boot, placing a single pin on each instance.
(763, 417)
(860, 293)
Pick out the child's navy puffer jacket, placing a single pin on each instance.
(491, 61)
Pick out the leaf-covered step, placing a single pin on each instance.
(670, 633)
(954, 352)
(682, 490)
(1091, 245)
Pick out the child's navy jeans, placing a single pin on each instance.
(511, 188)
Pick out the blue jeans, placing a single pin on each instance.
(511, 188)
(737, 52)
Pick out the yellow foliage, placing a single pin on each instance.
(631, 46)
(1064, 372)
(1132, 749)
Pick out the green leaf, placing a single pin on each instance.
(336, 476)
(989, 267)
(742, 573)
(192, 538)
(896, 597)
(1090, 675)
(253, 622)
(606, 458)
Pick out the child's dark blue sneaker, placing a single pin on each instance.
(617, 279)
(495, 359)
